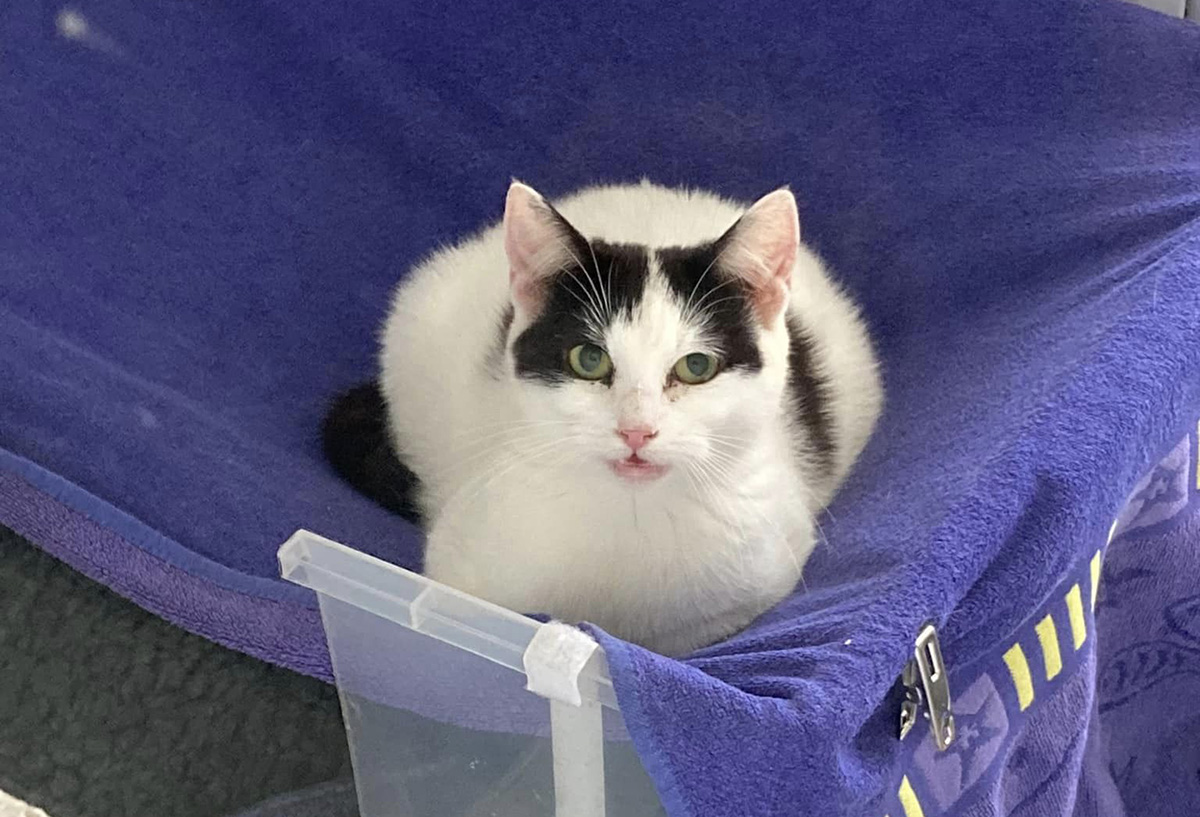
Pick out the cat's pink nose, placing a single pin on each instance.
(636, 438)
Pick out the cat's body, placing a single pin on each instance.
(667, 509)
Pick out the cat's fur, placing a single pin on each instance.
(529, 491)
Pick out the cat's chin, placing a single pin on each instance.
(636, 469)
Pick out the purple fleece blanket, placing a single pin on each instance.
(203, 207)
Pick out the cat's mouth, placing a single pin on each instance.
(636, 469)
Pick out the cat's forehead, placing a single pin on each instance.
(643, 304)
(609, 279)
(686, 304)
(644, 300)
(655, 328)
(628, 276)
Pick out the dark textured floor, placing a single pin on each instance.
(108, 710)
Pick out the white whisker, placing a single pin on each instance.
(608, 291)
(591, 290)
(696, 286)
(593, 298)
(599, 282)
(705, 311)
(501, 467)
(702, 304)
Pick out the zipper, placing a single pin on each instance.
(927, 690)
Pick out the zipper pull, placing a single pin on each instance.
(927, 687)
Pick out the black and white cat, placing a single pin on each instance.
(627, 409)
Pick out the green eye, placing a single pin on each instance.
(696, 368)
(589, 362)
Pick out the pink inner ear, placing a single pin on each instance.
(534, 243)
(762, 249)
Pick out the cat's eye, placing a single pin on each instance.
(589, 362)
(696, 368)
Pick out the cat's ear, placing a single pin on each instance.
(537, 241)
(761, 250)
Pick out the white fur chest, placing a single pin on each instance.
(674, 567)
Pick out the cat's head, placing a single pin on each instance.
(649, 361)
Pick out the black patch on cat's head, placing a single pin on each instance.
(694, 276)
(602, 281)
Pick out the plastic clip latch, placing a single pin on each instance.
(554, 660)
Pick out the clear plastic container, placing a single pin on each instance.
(433, 685)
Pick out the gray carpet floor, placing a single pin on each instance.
(108, 710)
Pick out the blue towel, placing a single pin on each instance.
(203, 208)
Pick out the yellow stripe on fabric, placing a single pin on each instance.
(1047, 635)
(1095, 578)
(1075, 613)
(1018, 668)
(908, 800)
